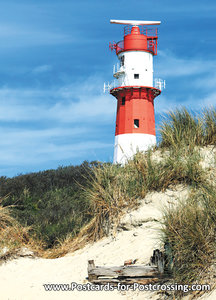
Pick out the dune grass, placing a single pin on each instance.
(13, 236)
(182, 127)
(189, 234)
(209, 117)
(114, 189)
(189, 230)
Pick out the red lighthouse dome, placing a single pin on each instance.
(135, 40)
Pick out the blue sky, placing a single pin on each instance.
(54, 59)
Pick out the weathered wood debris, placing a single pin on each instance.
(129, 273)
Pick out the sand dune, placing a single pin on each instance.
(136, 237)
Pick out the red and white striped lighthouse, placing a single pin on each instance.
(134, 91)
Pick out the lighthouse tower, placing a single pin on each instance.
(134, 90)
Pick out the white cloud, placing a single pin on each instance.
(195, 11)
(169, 65)
(207, 82)
(42, 69)
(13, 35)
(164, 104)
(25, 154)
(209, 100)
(23, 147)
(89, 108)
(81, 102)
(11, 137)
(193, 82)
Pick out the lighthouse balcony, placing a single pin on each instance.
(109, 86)
(118, 70)
(159, 84)
(151, 46)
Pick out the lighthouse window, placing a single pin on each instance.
(122, 61)
(123, 101)
(136, 76)
(136, 123)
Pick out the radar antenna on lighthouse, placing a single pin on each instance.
(135, 23)
(135, 92)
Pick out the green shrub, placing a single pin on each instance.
(52, 202)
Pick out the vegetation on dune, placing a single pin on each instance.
(70, 206)
(189, 234)
(52, 202)
(114, 189)
(190, 228)
(13, 235)
(181, 127)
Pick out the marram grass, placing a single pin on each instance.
(181, 127)
(189, 236)
(114, 189)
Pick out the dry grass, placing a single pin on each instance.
(71, 243)
(110, 192)
(5, 218)
(13, 236)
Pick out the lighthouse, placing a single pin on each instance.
(134, 89)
